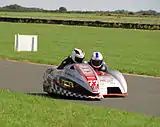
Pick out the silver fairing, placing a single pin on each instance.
(120, 78)
(71, 73)
(112, 81)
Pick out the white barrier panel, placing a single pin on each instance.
(26, 42)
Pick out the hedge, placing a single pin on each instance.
(83, 23)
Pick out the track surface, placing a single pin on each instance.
(144, 95)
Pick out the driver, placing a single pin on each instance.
(97, 63)
(77, 56)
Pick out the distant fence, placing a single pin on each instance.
(83, 23)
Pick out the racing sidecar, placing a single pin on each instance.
(82, 81)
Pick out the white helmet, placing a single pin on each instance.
(96, 59)
(78, 55)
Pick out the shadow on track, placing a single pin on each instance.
(60, 97)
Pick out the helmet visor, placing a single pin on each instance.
(79, 60)
(97, 62)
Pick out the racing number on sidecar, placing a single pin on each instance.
(67, 83)
(93, 82)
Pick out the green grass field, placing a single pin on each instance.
(92, 17)
(20, 110)
(129, 51)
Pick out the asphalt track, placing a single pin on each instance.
(144, 92)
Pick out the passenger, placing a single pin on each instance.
(97, 63)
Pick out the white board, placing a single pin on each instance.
(26, 42)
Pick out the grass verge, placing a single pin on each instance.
(129, 51)
(91, 17)
(20, 110)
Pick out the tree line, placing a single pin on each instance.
(83, 23)
(18, 8)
